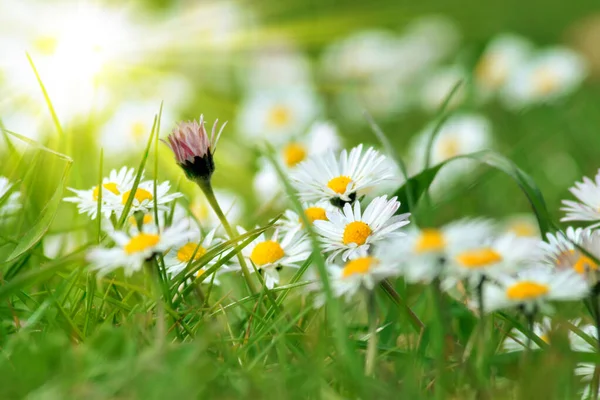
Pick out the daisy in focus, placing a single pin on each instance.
(587, 208)
(113, 187)
(550, 75)
(133, 249)
(144, 199)
(270, 255)
(533, 289)
(351, 232)
(178, 258)
(9, 198)
(291, 221)
(424, 253)
(561, 252)
(342, 179)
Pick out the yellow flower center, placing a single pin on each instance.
(46, 45)
(315, 214)
(449, 147)
(339, 184)
(356, 232)
(490, 70)
(267, 252)
(359, 266)
(200, 272)
(293, 154)
(145, 221)
(526, 290)
(140, 195)
(111, 187)
(523, 229)
(545, 81)
(185, 252)
(279, 116)
(545, 338)
(138, 129)
(141, 242)
(430, 240)
(584, 264)
(200, 210)
(479, 258)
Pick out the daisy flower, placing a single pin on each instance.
(587, 208)
(517, 340)
(502, 56)
(341, 179)
(532, 289)
(498, 256)
(437, 86)
(231, 204)
(270, 255)
(9, 198)
(129, 127)
(424, 253)
(350, 232)
(178, 258)
(548, 76)
(144, 200)
(291, 221)
(524, 225)
(113, 187)
(562, 253)
(362, 272)
(278, 115)
(133, 249)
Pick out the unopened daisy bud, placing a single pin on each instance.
(193, 148)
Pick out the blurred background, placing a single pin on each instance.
(300, 75)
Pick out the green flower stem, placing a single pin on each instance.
(206, 187)
(372, 344)
(151, 266)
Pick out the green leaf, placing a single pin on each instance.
(420, 183)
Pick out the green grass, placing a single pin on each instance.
(64, 333)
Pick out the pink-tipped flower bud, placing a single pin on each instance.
(193, 148)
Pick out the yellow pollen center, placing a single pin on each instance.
(491, 71)
(523, 229)
(267, 252)
(279, 116)
(545, 81)
(359, 266)
(339, 184)
(185, 252)
(145, 221)
(138, 129)
(141, 242)
(479, 258)
(46, 44)
(526, 290)
(449, 147)
(315, 214)
(293, 154)
(584, 264)
(356, 232)
(140, 195)
(430, 240)
(111, 187)
(545, 338)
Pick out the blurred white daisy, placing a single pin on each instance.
(231, 205)
(435, 36)
(270, 255)
(277, 115)
(587, 208)
(60, 244)
(548, 76)
(517, 340)
(561, 252)
(424, 253)
(9, 198)
(129, 128)
(350, 232)
(134, 248)
(502, 56)
(438, 84)
(113, 187)
(362, 272)
(522, 225)
(341, 179)
(532, 289)
(494, 258)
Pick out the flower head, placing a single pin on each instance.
(133, 248)
(340, 180)
(193, 148)
(533, 288)
(587, 208)
(350, 232)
